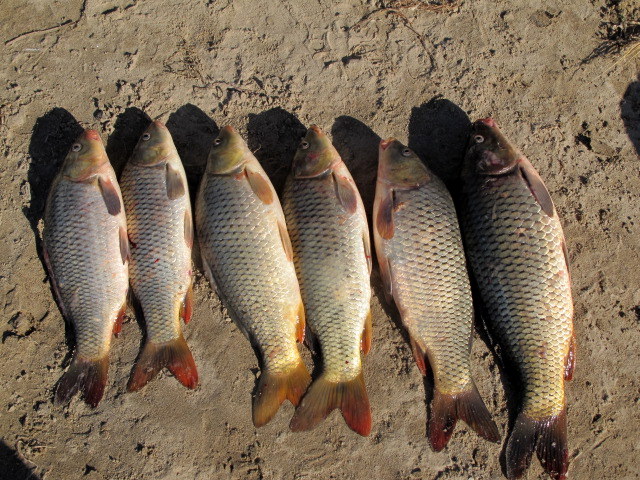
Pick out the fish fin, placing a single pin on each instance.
(52, 280)
(286, 241)
(260, 186)
(473, 411)
(110, 195)
(570, 362)
(175, 184)
(174, 354)
(186, 307)
(537, 186)
(384, 217)
(301, 324)
(547, 436)
(367, 249)
(310, 340)
(385, 275)
(117, 323)
(565, 252)
(86, 375)
(324, 396)
(125, 252)
(346, 193)
(273, 389)
(367, 333)
(188, 228)
(420, 356)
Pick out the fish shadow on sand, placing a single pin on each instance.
(52, 137)
(273, 136)
(12, 467)
(128, 128)
(630, 113)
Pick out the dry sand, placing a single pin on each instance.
(361, 72)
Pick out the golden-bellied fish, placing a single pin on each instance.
(156, 199)
(246, 254)
(332, 254)
(424, 271)
(87, 253)
(518, 254)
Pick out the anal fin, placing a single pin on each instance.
(570, 362)
(365, 341)
(186, 307)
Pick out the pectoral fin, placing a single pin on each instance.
(537, 186)
(260, 186)
(346, 193)
(175, 183)
(384, 217)
(110, 195)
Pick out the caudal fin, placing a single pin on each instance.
(324, 396)
(273, 389)
(468, 405)
(548, 437)
(174, 354)
(86, 375)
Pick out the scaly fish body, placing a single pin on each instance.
(86, 251)
(517, 251)
(156, 199)
(423, 267)
(246, 253)
(330, 241)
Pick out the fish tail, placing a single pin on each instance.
(468, 406)
(174, 354)
(548, 437)
(86, 375)
(324, 396)
(275, 388)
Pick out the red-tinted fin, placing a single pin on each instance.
(468, 405)
(385, 275)
(88, 376)
(537, 186)
(188, 228)
(54, 283)
(367, 333)
(384, 217)
(117, 324)
(366, 241)
(286, 241)
(346, 193)
(420, 356)
(125, 252)
(110, 195)
(175, 355)
(570, 362)
(175, 184)
(547, 436)
(301, 325)
(273, 389)
(186, 307)
(260, 186)
(324, 396)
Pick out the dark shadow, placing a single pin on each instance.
(193, 131)
(630, 113)
(129, 126)
(12, 467)
(358, 145)
(273, 136)
(438, 133)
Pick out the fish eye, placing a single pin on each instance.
(478, 138)
(406, 152)
(76, 147)
(146, 136)
(217, 141)
(304, 144)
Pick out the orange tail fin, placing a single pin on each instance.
(548, 437)
(175, 355)
(468, 405)
(273, 389)
(325, 396)
(88, 376)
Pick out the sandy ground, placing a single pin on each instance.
(361, 72)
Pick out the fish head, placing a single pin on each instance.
(489, 151)
(315, 156)
(228, 152)
(154, 146)
(399, 166)
(87, 157)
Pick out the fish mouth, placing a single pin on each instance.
(384, 144)
(91, 135)
(488, 121)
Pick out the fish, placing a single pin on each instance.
(332, 255)
(160, 226)
(86, 251)
(423, 269)
(519, 258)
(247, 257)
